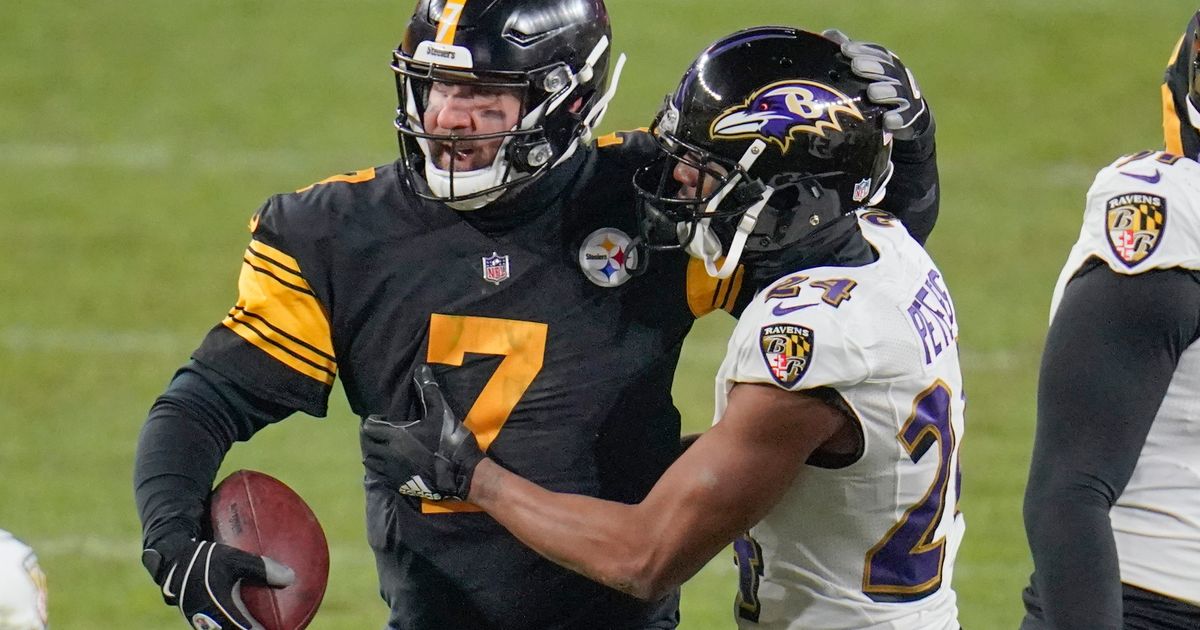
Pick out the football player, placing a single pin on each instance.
(1110, 507)
(499, 248)
(1180, 93)
(22, 586)
(839, 403)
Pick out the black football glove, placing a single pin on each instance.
(204, 579)
(892, 85)
(432, 457)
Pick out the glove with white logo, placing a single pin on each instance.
(432, 457)
(892, 85)
(204, 579)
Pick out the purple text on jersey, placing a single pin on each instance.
(932, 315)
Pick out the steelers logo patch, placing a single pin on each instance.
(1135, 224)
(787, 349)
(606, 259)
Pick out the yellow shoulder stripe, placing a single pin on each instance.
(609, 140)
(615, 138)
(364, 175)
(1175, 53)
(1172, 135)
(1173, 140)
(278, 313)
(706, 294)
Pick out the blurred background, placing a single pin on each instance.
(138, 136)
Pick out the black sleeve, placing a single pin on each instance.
(1110, 354)
(914, 195)
(188, 431)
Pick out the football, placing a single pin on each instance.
(258, 513)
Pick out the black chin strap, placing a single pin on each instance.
(839, 243)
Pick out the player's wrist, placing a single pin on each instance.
(482, 485)
(164, 551)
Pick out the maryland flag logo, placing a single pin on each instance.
(1135, 225)
(787, 349)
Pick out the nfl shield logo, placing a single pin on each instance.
(787, 350)
(862, 189)
(495, 268)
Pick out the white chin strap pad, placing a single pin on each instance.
(1193, 113)
(705, 245)
(466, 183)
(745, 227)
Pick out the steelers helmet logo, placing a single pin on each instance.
(787, 350)
(606, 258)
(1135, 224)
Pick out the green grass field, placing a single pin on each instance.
(136, 138)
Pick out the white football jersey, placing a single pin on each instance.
(22, 586)
(870, 544)
(1143, 212)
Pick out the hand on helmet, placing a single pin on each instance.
(892, 85)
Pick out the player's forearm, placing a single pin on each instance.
(174, 466)
(609, 542)
(1077, 577)
(186, 435)
(913, 192)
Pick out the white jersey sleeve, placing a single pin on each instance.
(796, 349)
(1142, 213)
(22, 586)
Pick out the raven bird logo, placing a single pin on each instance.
(779, 111)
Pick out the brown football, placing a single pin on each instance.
(258, 513)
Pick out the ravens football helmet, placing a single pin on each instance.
(553, 54)
(1181, 94)
(769, 139)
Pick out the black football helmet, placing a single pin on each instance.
(1181, 99)
(553, 53)
(782, 139)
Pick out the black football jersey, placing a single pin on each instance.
(558, 360)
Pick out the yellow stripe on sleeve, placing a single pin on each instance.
(1172, 135)
(1172, 138)
(278, 313)
(706, 294)
(276, 263)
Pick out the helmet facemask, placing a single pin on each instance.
(710, 217)
(781, 142)
(558, 110)
(1192, 42)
